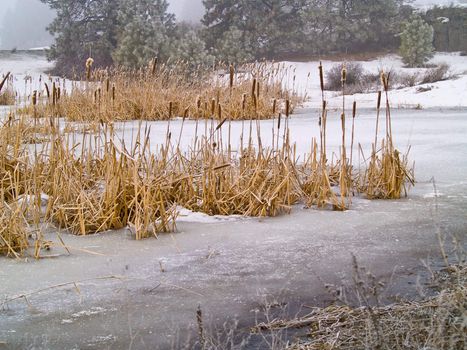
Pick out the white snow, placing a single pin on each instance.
(450, 93)
(186, 215)
(426, 4)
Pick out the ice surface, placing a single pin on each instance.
(120, 293)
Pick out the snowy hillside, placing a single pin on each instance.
(425, 4)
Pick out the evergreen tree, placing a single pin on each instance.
(265, 28)
(144, 33)
(416, 42)
(351, 25)
(189, 47)
(82, 28)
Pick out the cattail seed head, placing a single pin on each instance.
(385, 81)
(232, 73)
(213, 106)
(34, 98)
(321, 76)
(344, 75)
(89, 63)
(253, 88)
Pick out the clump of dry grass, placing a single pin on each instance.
(433, 323)
(14, 238)
(388, 171)
(100, 189)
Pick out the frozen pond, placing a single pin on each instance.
(116, 293)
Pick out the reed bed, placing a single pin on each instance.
(94, 181)
(166, 91)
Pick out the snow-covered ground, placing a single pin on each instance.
(446, 94)
(426, 4)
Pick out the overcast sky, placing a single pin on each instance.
(29, 28)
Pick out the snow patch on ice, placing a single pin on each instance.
(186, 215)
(433, 195)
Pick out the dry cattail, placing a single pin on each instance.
(47, 91)
(321, 76)
(232, 73)
(154, 66)
(287, 108)
(170, 109)
(253, 88)
(385, 81)
(113, 92)
(89, 63)
(5, 78)
(219, 109)
(344, 75)
(34, 97)
(54, 94)
(274, 105)
(243, 102)
(378, 105)
(213, 106)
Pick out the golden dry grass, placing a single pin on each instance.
(253, 91)
(432, 323)
(95, 182)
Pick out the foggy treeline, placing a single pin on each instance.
(133, 32)
(23, 24)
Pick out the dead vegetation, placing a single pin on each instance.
(437, 322)
(95, 180)
(167, 91)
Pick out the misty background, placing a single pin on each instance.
(23, 22)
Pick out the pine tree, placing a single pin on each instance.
(145, 32)
(416, 42)
(82, 28)
(257, 28)
(190, 48)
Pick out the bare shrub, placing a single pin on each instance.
(438, 73)
(355, 76)
(408, 80)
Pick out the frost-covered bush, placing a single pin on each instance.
(355, 76)
(408, 79)
(357, 80)
(436, 74)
